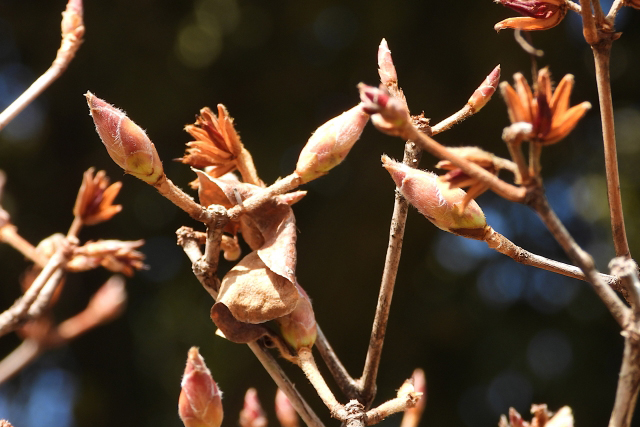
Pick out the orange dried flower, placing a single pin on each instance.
(94, 203)
(539, 14)
(217, 148)
(546, 110)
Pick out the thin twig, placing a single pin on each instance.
(457, 117)
(308, 365)
(284, 185)
(582, 259)
(45, 295)
(23, 355)
(367, 382)
(613, 12)
(182, 200)
(9, 235)
(71, 40)
(501, 244)
(601, 55)
(598, 13)
(628, 383)
(588, 23)
(285, 384)
(347, 384)
(526, 45)
(573, 6)
(390, 407)
(12, 317)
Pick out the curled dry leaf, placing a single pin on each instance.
(253, 293)
(232, 329)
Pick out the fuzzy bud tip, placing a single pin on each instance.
(436, 201)
(127, 144)
(200, 403)
(330, 143)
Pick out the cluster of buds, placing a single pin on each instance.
(539, 14)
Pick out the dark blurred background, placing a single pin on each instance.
(489, 333)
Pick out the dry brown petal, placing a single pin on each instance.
(253, 293)
(115, 255)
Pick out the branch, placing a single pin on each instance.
(308, 365)
(72, 32)
(601, 55)
(9, 235)
(347, 384)
(588, 23)
(367, 383)
(582, 259)
(22, 356)
(18, 312)
(501, 244)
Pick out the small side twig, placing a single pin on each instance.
(347, 384)
(500, 243)
(23, 355)
(72, 32)
(367, 383)
(390, 407)
(17, 313)
(308, 365)
(9, 235)
(582, 259)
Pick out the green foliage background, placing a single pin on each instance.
(282, 69)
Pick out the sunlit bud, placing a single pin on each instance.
(109, 301)
(298, 328)
(483, 94)
(436, 201)
(285, 411)
(386, 69)
(390, 115)
(127, 144)
(252, 414)
(330, 143)
(200, 403)
(411, 417)
(539, 14)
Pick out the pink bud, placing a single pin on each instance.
(252, 414)
(127, 144)
(436, 201)
(483, 94)
(390, 114)
(298, 328)
(200, 403)
(386, 69)
(285, 411)
(330, 143)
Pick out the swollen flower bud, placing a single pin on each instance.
(483, 94)
(127, 144)
(436, 201)
(285, 411)
(330, 143)
(298, 328)
(386, 69)
(252, 414)
(200, 403)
